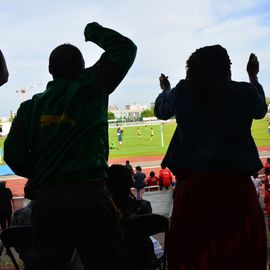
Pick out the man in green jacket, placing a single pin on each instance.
(59, 139)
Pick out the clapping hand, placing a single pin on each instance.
(253, 65)
(164, 82)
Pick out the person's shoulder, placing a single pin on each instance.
(243, 90)
(143, 207)
(241, 85)
(26, 104)
(181, 84)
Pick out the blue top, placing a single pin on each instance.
(139, 178)
(216, 139)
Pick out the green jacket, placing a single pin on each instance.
(61, 135)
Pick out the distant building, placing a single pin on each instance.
(130, 113)
(112, 108)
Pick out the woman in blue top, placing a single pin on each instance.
(216, 222)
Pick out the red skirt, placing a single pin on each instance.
(217, 224)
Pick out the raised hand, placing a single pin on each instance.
(253, 65)
(164, 82)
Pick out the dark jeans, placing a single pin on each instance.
(80, 216)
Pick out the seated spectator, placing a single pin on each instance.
(267, 166)
(140, 249)
(22, 217)
(165, 177)
(267, 173)
(152, 180)
(257, 183)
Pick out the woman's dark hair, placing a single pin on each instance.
(208, 72)
(152, 174)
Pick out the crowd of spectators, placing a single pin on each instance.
(59, 141)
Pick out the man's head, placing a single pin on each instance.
(3, 184)
(127, 162)
(66, 62)
(138, 168)
(29, 190)
(119, 183)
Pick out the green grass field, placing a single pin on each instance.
(134, 146)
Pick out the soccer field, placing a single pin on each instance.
(143, 145)
(134, 146)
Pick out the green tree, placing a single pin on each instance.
(147, 113)
(111, 116)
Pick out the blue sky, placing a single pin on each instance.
(166, 33)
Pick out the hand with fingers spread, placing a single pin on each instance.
(164, 82)
(253, 68)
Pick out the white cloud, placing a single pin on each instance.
(166, 33)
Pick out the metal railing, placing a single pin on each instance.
(19, 202)
(161, 200)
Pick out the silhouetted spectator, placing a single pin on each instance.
(128, 165)
(210, 229)
(5, 205)
(3, 69)
(256, 182)
(22, 217)
(59, 139)
(3, 79)
(267, 206)
(266, 173)
(140, 249)
(139, 182)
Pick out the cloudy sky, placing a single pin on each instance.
(166, 33)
